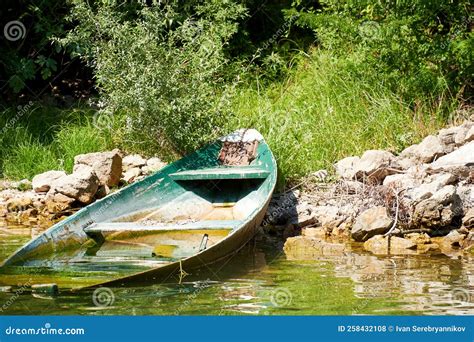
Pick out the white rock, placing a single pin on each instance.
(153, 164)
(131, 161)
(400, 181)
(463, 156)
(130, 175)
(429, 149)
(371, 222)
(469, 135)
(106, 165)
(347, 167)
(43, 181)
(431, 185)
(82, 185)
(461, 136)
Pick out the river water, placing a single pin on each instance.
(259, 280)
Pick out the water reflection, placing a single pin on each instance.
(261, 280)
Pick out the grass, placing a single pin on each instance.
(322, 113)
(48, 138)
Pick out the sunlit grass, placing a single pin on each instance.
(322, 113)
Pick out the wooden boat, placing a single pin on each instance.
(192, 213)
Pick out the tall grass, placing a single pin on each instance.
(28, 159)
(48, 139)
(322, 113)
(73, 140)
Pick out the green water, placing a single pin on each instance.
(257, 281)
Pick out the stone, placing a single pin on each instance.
(133, 161)
(376, 165)
(152, 165)
(439, 210)
(131, 174)
(468, 219)
(19, 204)
(106, 165)
(82, 185)
(58, 202)
(44, 181)
(429, 149)
(431, 185)
(452, 240)
(406, 163)
(446, 136)
(400, 246)
(400, 181)
(371, 222)
(305, 248)
(347, 167)
(317, 232)
(419, 238)
(469, 135)
(463, 156)
(326, 214)
(461, 136)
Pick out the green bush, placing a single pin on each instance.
(421, 49)
(162, 64)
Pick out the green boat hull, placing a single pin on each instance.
(184, 191)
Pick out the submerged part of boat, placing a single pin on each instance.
(198, 210)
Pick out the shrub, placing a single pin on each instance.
(161, 64)
(423, 50)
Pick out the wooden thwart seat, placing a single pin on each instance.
(234, 172)
(109, 227)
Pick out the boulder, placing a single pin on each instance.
(400, 181)
(58, 202)
(106, 165)
(131, 174)
(453, 240)
(438, 211)
(468, 219)
(376, 165)
(379, 245)
(318, 232)
(446, 136)
(461, 136)
(371, 222)
(431, 184)
(305, 248)
(44, 181)
(132, 161)
(469, 135)
(430, 148)
(152, 165)
(463, 156)
(17, 204)
(82, 185)
(347, 167)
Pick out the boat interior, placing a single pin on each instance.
(206, 211)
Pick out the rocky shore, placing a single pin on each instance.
(53, 195)
(420, 201)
